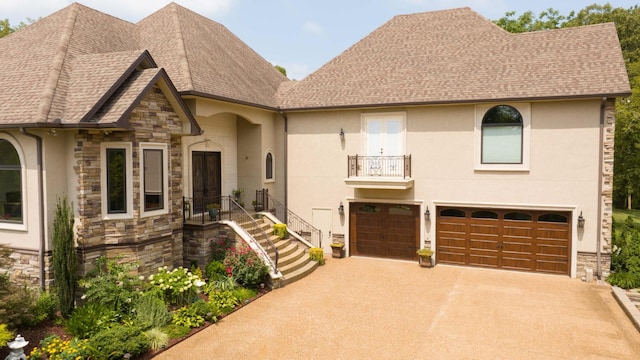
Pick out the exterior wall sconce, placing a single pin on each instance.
(341, 209)
(580, 221)
(341, 134)
(427, 215)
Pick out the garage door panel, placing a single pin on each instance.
(529, 240)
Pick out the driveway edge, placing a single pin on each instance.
(626, 304)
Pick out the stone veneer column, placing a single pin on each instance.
(607, 184)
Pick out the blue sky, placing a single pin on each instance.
(300, 35)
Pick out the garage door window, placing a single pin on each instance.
(369, 209)
(553, 218)
(517, 216)
(452, 213)
(400, 210)
(483, 214)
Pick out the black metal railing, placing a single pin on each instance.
(294, 222)
(225, 208)
(387, 166)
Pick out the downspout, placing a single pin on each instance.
(286, 161)
(600, 180)
(41, 198)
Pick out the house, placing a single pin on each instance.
(438, 129)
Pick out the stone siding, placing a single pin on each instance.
(590, 261)
(607, 185)
(150, 241)
(197, 242)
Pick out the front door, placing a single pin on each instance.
(206, 179)
(385, 141)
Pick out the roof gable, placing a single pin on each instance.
(459, 56)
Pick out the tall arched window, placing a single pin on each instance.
(10, 183)
(268, 166)
(502, 136)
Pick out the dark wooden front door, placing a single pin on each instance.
(384, 230)
(528, 240)
(206, 179)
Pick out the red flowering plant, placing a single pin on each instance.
(245, 266)
(219, 247)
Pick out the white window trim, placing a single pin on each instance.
(23, 174)
(129, 184)
(165, 180)
(273, 167)
(525, 111)
(384, 115)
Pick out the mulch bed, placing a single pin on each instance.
(36, 334)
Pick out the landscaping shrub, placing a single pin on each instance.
(5, 335)
(158, 339)
(280, 230)
(117, 341)
(243, 294)
(15, 300)
(45, 307)
(64, 256)
(625, 256)
(215, 270)
(246, 267)
(151, 312)
(52, 347)
(219, 247)
(317, 254)
(112, 284)
(188, 316)
(176, 331)
(90, 319)
(179, 286)
(226, 300)
(227, 283)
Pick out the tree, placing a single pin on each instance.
(64, 256)
(6, 28)
(282, 70)
(627, 136)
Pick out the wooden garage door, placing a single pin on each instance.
(384, 230)
(536, 241)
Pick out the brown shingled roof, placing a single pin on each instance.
(62, 68)
(459, 56)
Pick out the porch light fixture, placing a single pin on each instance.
(427, 215)
(341, 134)
(580, 221)
(341, 209)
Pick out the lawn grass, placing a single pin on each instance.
(620, 215)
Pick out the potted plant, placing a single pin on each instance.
(236, 193)
(337, 249)
(424, 257)
(213, 211)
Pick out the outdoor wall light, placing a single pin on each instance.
(341, 209)
(341, 134)
(581, 220)
(427, 215)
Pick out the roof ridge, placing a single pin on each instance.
(57, 64)
(184, 60)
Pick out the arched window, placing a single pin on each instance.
(11, 209)
(502, 135)
(268, 166)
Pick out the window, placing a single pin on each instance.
(155, 180)
(10, 184)
(453, 213)
(116, 178)
(502, 137)
(383, 145)
(268, 166)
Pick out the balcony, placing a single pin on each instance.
(379, 172)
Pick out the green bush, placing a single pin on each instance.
(280, 230)
(112, 284)
(226, 300)
(119, 340)
(90, 319)
(215, 270)
(246, 267)
(151, 312)
(317, 254)
(187, 316)
(625, 256)
(52, 347)
(63, 260)
(44, 308)
(5, 335)
(227, 283)
(219, 247)
(15, 300)
(244, 294)
(178, 286)
(176, 331)
(158, 339)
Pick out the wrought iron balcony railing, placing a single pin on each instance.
(383, 166)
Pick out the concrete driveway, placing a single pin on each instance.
(357, 308)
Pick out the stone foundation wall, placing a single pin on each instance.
(590, 261)
(197, 242)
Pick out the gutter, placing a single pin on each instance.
(41, 200)
(600, 179)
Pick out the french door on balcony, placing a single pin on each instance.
(385, 134)
(206, 179)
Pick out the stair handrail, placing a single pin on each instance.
(240, 216)
(309, 232)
